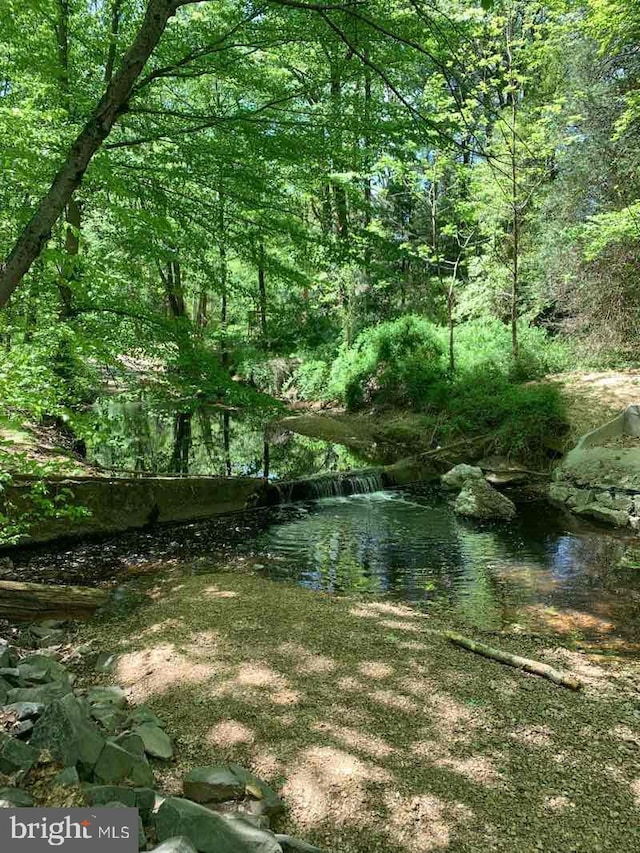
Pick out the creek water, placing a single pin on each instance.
(543, 572)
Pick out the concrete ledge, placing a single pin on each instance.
(120, 504)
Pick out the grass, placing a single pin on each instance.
(381, 735)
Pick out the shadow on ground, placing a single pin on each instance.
(380, 734)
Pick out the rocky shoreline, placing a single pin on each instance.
(67, 746)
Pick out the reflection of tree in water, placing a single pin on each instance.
(373, 543)
(150, 436)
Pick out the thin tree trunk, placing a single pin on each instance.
(262, 293)
(113, 103)
(226, 438)
(116, 14)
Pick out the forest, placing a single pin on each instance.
(319, 355)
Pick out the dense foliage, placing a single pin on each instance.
(388, 204)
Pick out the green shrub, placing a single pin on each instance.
(520, 418)
(486, 344)
(392, 364)
(310, 380)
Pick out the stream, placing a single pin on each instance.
(545, 572)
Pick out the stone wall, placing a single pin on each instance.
(600, 480)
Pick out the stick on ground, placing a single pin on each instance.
(528, 665)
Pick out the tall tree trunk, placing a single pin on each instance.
(262, 293)
(37, 232)
(222, 253)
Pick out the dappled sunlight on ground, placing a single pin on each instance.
(328, 784)
(423, 823)
(381, 741)
(147, 673)
(229, 733)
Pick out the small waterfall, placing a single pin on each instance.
(329, 486)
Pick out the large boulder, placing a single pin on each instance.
(210, 831)
(66, 732)
(458, 476)
(480, 500)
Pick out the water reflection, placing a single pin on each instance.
(135, 436)
(532, 572)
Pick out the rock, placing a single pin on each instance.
(67, 778)
(480, 500)
(14, 798)
(560, 493)
(11, 674)
(213, 784)
(145, 802)
(25, 710)
(44, 694)
(133, 743)
(22, 729)
(5, 687)
(64, 730)
(116, 764)
(108, 696)
(16, 756)
(100, 795)
(617, 517)
(7, 656)
(580, 498)
(156, 742)
(178, 844)
(209, 831)
(43, 668)
(110, 718)
(142, 715)
(457, 476)
(294, 845)
(105, 662)
(255, 787)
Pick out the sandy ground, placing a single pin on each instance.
(594, 398)
(380, 734)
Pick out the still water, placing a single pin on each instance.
(535, 573)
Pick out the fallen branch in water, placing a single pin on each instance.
(528, 665)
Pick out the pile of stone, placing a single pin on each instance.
(619, 507)
(477, 498)
(100, 749)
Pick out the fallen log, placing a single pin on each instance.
(528, 665)
(30, 602)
